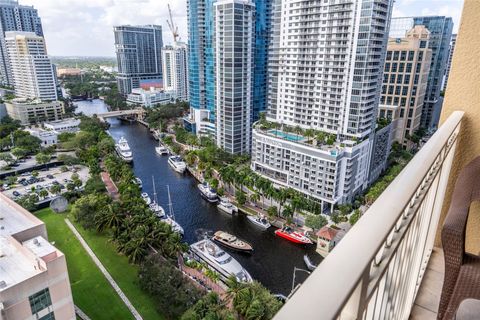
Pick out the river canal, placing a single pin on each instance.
(273, 260)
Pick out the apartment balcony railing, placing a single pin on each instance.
(376, 269)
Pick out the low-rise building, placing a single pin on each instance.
(48, 137)
(34, 111)
(199, 122)
(150, 98)
(34, 282)
(65, 125)
(62, 72)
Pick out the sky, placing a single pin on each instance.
(85, 28)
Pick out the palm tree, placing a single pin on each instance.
(254, 197)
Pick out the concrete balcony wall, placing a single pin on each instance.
(463, 93)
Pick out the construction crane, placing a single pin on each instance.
(172, 26)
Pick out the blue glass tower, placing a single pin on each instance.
(200, 55)
(260, 76)
(440, 28)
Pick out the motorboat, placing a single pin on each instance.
(161, 150)
(220, 261)
(146, 198)
(138, 182)
(123, 150)
(310, 265)
(177, 164)
(292, 235)
(259, 221)
(232, 242)
(157, 209)
(208, 193)
(226, 206)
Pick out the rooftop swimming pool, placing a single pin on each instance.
(287, 136)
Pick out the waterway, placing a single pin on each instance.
(273, 260)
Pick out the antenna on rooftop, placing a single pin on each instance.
(172, 26)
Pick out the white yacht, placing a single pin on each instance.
(123, 150)
(219, 260)
(161, 149)
(177, 164)
(170, 218)
(259, 221)
(226, 206)
(208, 193)
(146, 198)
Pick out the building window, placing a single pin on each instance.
(411, 55)
(49, 316)
(40, 300)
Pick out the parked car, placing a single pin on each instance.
(16, 193)
(49, 176)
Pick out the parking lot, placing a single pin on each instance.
(46, 179)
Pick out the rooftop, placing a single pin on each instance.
(13, 218)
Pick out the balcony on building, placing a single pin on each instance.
(391, 264)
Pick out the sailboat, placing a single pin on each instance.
(154, 206)
(170, 218)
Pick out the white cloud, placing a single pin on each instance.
(85, 27)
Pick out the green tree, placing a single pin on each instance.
(19, 153)
(209, 307)
(315, 222)
(241, 197)
(55, 189)
(7, 157)
(355, 216)
(43, 158)
(272, 211)
(43, 194)
(336, 218)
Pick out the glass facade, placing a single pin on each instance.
(262, 33)
(440, 28)
(40, 300)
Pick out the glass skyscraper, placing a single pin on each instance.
(202, 63)
(440, 28)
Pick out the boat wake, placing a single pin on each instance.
(202, 233)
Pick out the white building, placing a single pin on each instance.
(325, 73)
(175, 69)
(31, 68)
(48, 137)
(234, 25)
(34, 111)
(65, 125)
(150, 98)
(34, 282)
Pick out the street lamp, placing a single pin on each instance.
(295, 269)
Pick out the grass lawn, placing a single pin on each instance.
(91, 291)
(124, 273)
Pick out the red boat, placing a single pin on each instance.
(291, 235)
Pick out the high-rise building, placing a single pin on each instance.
(440, 28)
(175, 69)
(32, 73)
(34, 280)
(453, 41)
(263, 28)
(201, 69)
(405, 77)
(201, 63)
(15, 17)
(325, 69)
(139, 57)
(234, 25)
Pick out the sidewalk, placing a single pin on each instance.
(110, 185)
(107, 275)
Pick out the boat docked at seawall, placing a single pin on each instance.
(146, 198)
(226, 206)
(310, 265)
(292, 235)
(219, 260)
(176, 227)
(138, 182)
(232, 242)
(208, 193)
(123, 150)
(177, 164)
(259, 221)
(161, 150)
(157, 209)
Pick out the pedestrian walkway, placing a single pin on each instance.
(107, 275)
(110, 185)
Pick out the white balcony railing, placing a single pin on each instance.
(376, 270)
